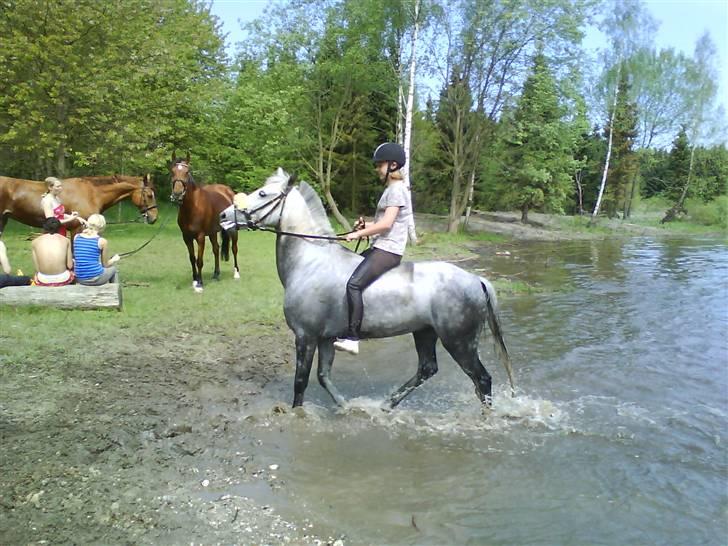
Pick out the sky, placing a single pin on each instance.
(681, 23)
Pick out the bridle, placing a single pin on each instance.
(144, 212)
(276, 202)
(179, 198)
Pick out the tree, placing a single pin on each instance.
(409, 113)
(624, 166)
(541, 146)
(658, 89)
(86, 84)
(486, 46)
(701, 116)
(678, 165)
(630, 29)
(347, 92)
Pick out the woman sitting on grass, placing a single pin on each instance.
(93, 268)
(6, 279)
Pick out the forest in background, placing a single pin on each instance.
(509, 110)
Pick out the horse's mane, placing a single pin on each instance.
(104, 180)
(316, 208)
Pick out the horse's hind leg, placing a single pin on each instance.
(216, 253)
(425, 341)
(325, 361)
(305, 348)
(234, 240)
(465, 352)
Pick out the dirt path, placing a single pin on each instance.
(542, 227)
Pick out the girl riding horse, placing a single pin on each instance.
(390, 228)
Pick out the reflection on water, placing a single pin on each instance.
(615, 436)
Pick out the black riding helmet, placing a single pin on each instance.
(390, 151)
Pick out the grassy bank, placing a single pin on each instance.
(160, 304)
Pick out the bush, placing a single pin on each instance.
(713, 213)
(656, 203)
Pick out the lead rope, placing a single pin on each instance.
(132, 252)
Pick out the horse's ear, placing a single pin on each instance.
(174, 156)
(188, 157)
(147, 179)
(292, 179)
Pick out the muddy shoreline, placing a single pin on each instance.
(143, 449)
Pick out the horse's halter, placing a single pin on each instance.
(278, 200)
(179, 169)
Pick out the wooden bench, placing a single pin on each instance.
(73, 296)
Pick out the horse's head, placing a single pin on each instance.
(145, 200)
(262, 206)
(181, 177)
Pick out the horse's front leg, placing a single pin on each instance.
(200, 259)
(189, 242)
(216, 253)
(305, 347)
(425, 342)
(325, 361)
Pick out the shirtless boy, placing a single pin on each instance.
(52, 256)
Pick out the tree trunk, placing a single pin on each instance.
(335, 210)
(471, 192)
(579, 192)
(407, 141)
(678, 207)
(72, 296)
(524, 213)
(628, 205)
(595, 213)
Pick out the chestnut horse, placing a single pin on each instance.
(20, 199)
(199, 217)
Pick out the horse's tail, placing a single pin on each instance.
(491, 303)
(225, 246)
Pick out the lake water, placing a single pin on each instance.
(617, 434)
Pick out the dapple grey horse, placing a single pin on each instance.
(432, 300)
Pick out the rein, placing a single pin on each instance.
(281, 197)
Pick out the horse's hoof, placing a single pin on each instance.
(236, 274)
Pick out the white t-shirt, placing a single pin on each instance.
(395, 239)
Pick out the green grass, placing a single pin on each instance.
(159, 302)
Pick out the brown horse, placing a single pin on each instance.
(20, 199)
(199, 217)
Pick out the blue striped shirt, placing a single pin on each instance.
(87, 255)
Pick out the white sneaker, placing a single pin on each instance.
(348, 345)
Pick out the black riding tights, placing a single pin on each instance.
(376, 263)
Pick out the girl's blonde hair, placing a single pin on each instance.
(97, 222)
(396, 175)
(51, 180)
